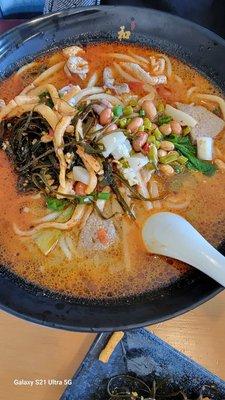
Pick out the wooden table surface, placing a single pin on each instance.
(30, 352)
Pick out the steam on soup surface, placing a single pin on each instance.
(93, 141)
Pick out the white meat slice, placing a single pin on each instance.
(208, 124)
(89, 238)
(108, 77)
(77, 65)
(108, 81)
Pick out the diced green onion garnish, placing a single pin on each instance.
(160, 107)
(142, 112)
(103, 196)
(168, 158)
(147, 124)
(122, 122)
(182, 160)
(152, 154)
(158, 135)
(133, 102)
(150, 166)
(141, 128)
(164, 119)
(117, 110)
(186, 130)
(124, 163)
(128, 111)
(178, 168)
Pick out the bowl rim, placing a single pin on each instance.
(216, 288)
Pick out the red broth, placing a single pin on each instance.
(114, 272)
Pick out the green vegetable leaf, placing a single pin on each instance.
(186, 148)
(55, 204)
(164, 119)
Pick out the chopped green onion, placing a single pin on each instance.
(186, 130)
(103, 196)
(152, 139)
(182, 160)
(158, 135)
(164, 119)
(124, 163)
(178, 168)
(142, 112)
(117, 110)
(147, 124)
(150, 166)
(152, 154)
(160, 107)
(168, 158)
(122, 122)
(128, 111)
(141, 128)
(133, 102)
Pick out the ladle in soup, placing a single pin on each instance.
(171, 235)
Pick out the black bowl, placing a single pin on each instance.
(189, 42)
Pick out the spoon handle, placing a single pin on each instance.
(171, 235)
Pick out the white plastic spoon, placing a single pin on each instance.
(171, 235)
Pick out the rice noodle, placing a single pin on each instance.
(19, 110)
(7, 109)
(143, 190)
(86, 216)
(65, 248)
(83, 93)
(144, 76)
(123, 73)
(154, 192)
(49, 217)
(93, 80)
(169, 69)
(191, 90)
(74, 220)
(214, 99)
(26, 99)
(64, 108)
(126, 57)
(92, 177)
(51, 89)
(25, 67)
(139, 58)
(48, 114)
(149, 96)
(177, 202)
(95, 164)
(27, 88)
(60, 130)
(50, 71)
(104, 96)
(73, 92)
(69, 243)
(58, 143)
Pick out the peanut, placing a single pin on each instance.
(166, 145)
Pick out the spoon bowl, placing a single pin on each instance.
(171, 235)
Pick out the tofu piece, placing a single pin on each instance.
(209, 124)
(88, 239)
